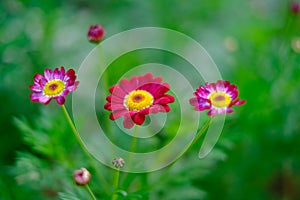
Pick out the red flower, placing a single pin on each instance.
(217, 97)
(53, 85)
(96, 33)
(138, 97)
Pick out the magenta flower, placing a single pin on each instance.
(82, 176)
(138, 97)
(217, 97)
(53, 85)
(96, 33)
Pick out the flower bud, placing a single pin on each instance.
(118, 162)
(82, 176)
(95, 33)
(295, 7)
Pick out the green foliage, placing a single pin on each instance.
(253, 44)
(53, 154)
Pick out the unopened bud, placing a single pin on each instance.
(82, 176)
(95, 33)
(118, 162)
(295, 7)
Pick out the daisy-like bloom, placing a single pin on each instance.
(217, 97)
(82, 176)
(53, 85)
(138, 97)
(95, 33)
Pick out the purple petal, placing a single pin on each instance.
(48, 74)
(36, 88)
(39, 97)
(220, 86)
(37, 78)
(57, 74)
(64, 93)
(60, 100)
(71, 88)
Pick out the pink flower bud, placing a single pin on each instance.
(96, 33)
(295, 7)
(82, 176)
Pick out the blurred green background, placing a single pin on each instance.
(255, 44)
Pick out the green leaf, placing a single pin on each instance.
(67, 196)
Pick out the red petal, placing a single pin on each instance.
(111, 89)
(138, 118)
(107, 106)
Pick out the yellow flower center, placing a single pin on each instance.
(219, 99)
(54, 88)
(138, 100)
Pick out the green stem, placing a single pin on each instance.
(134, 140)
(90, 192)
(76, 134)
(116, 184)
(197, 137)
(132, 150)
(200, 133)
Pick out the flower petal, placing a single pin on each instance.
(126, 86)
(138, 118)
(48, 74)
(39, 97)
(117, 114)
(36, 88)
(117, 91)
(128, 123)
(60, 100)
(107, 106)
(164, 100)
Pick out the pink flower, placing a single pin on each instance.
(53, 85)
(82, 176)
(138, 97)
(217, 97)
(96, 33)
